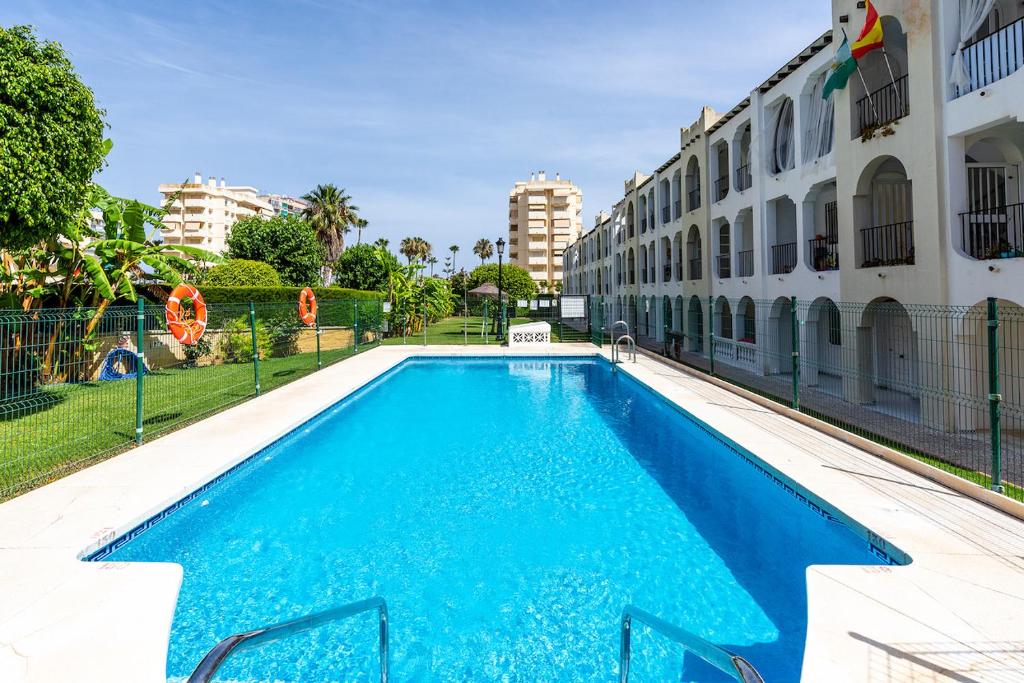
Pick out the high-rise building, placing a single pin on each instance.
(201, 213)
(544, 217)
(285, 205)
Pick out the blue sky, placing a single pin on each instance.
(426, 112)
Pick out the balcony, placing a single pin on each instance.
(721, 188)
(883, 106)
(695, 269)
(993, 233)
(824, 254)
(887, 245)
(783, 258)
(693, 199)
(995, 56)
(724, 266)
(745, 265)
(743, 178)
(666, 273)
(666, 214)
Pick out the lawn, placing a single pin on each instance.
(458, 330)
(65, 427)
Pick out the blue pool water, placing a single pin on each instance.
(507, 510)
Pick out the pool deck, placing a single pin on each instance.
(955, 614)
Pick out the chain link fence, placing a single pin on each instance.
(71, 393)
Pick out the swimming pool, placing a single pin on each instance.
(507, 509)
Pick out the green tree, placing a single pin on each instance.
(359, 267)
(415, 249)
(484, 249)
(242, 273)
(51, 139)
(514, 280)
(287, 243)
(332, 215)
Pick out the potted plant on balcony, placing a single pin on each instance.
(1002, 250)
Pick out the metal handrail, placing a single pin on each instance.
(630, 346)
(615, 340)
(734, 666)
(269, 634)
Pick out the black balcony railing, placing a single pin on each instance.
(745, 263)
(643, 225)
(997, 232)
(724, 266)
(824, 253)
(887, 245)
(666, 214)
(695, 272)
(693, 199)
(743, 178)
(883, 106)
(677, 207)
(995, 56)
(783, 258)
(666, 273)
(721, 188)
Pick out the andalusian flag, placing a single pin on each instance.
(870, 37)
(843, 66)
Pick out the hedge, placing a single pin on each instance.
(243, 295)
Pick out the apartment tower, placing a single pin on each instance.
(201, 213)
(544, 217)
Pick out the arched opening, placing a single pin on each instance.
(974, 380)
(666, 259)
(695, 325)
(643, 213)
(821, 215)
(643, 264)
(666, 201)
(887, 98)
(780, 337)
(677, 251)
(745, 243)
(723, 318)
(692, 184)
(747, 317)
(993, 225)
(887, 353)
(677, 194)
(631, 314)
(652, 262)
(618, 310)
(744, 177)
(631, 266)
(821, 357)
(883, 207)
(720, 169)
(665, 321)
(818, 119)
(780, 147)
(781, 219)
(630, 221)
(693, 251)
(723, 247)
(677, 314)
(650, 208)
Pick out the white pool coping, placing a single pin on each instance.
(954, 614)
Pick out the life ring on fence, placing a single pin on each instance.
(307, 306)
(186, 330)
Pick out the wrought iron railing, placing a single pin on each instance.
(743, 178)
(643, 224)
(724, 266)
(677, 207)
(887, 245)
(783, 258)
(693, 199)
(666, 214)
(883, 106)
(824, 253)
(667, 273)
(994, 56)
(721, 188)
(695, 268)
(745, 263)
(993, 233)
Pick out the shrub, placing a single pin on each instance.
(236, 344)
(242, 273)
(360, 267)
(514, 280)
(287, 243)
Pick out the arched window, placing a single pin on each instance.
(693, 249)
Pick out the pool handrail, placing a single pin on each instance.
(734, 666)
(630, 347)
(615, 341)
(269, 634)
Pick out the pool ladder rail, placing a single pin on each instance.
(732, 665)
(269, 634)
(630, 342)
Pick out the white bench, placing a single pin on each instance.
(529, 333)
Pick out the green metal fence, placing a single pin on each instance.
(70, 395)
(944, 384)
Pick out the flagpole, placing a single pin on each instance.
(868, 93)
(892, 76)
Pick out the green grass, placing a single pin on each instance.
(450, 331)
(64, 428)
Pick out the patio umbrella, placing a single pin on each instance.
(488, 290)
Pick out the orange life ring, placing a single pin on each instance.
(307, 306)
(186, 330)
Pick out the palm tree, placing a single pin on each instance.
(361, 224)
(432, 260)
(382, 243)
(332, 215)
(455, 250)
(484, 249)
(426, 250)
(409, 248)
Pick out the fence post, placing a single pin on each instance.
(711, 333)
(355, 322)
(994, 397)
(139, 365)
(796, 352)
(316, 323)
(255, 347)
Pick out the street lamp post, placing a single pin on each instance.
(501, 304)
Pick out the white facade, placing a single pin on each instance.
(201, 213)
(544, 216)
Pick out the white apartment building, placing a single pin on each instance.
(201, 213)
(285, 205)
(909, 197)
(544, 216)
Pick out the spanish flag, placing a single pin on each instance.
(870, 37)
